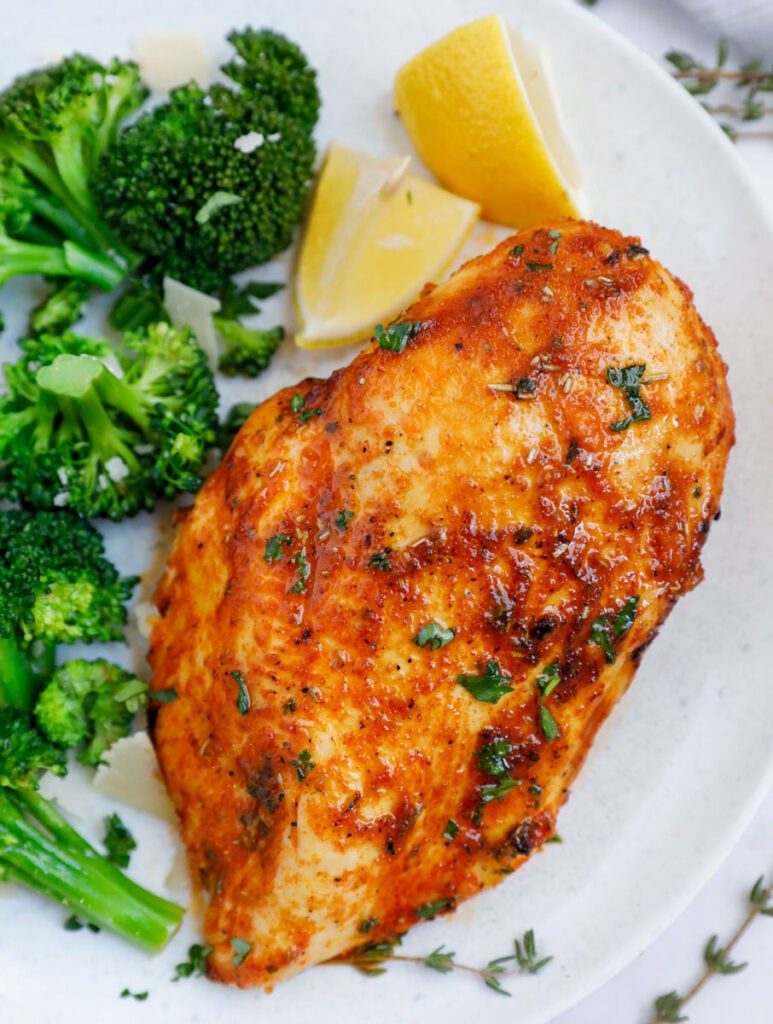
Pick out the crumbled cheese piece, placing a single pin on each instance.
(188, 307)
(116, 469)
(169, 60)
(250, 142)
(131, 775)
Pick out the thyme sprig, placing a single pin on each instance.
(372, 958)
(717, 959)
(751, 80)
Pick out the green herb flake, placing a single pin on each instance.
(367, 925)
(302, 764)
(525, 388)
(303, 569)
(492, 757)
(535, 267)
(139, 996)
(309, 414)
(546, 682)
(380, 560)
(297, 402)
(119, 842)
(167, 696)
(243, 695)
(395, 337)
(274, 544)
(517, 251)
(451, 830)
(498, 790)
(434, 636)
(629, 380)
(242, 948)
(342, 519)
(605, 630)
(489, 687)
(429, 911)
(196, 964)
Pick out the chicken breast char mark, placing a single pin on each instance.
(400, 609)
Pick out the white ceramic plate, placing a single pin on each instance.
(679, 768)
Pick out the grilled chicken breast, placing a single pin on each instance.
(398, 612)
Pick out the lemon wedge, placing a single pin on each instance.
(374, 236)
(480, 108)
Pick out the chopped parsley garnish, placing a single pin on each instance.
(297, 402)
(489, 687)
(547, 681)
(429, 911)
(497, 790)
(304, 570)
(525, 387)
(517, 250)
(434, 636)
(492, 757)
(274, 544)
(535, 267)
(119, 842)
(164, 696)
(555, 235)
(342, 519)
(605, 630)
(451, 830)
(241, 948)
(302, 764)
(139, 996)
(243, 696)
(309, 414)
(367, 925)
(629, 380)
(196, 964)
(395, 337)
(380, 560)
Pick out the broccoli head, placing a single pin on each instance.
(106, 431)
(56, 587)
(56, 123)
(89, 705)
(62, 307)
(246, 350)
(24, 753)
(216, 180)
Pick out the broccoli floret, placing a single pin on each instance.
(106, 431)
(41, 850)
(246, 350)
(62, 307)
(56, 587)
(89, 705)
(237, 416)
(24, 752)
(216, 180)
(56, 124)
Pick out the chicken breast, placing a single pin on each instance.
(398, 612)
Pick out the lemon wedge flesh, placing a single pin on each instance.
(374, 236)
(480, 109)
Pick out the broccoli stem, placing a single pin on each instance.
(39, 849)
(22, 672)
(67, 260)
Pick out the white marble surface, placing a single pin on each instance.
(674, 960)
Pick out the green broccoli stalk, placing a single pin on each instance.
(38, 235)
(56, 124)
(89, 705)
(76, 434)
(56, 587)
(216, 180)
(41, 850)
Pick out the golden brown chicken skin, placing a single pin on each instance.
(401, 608)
